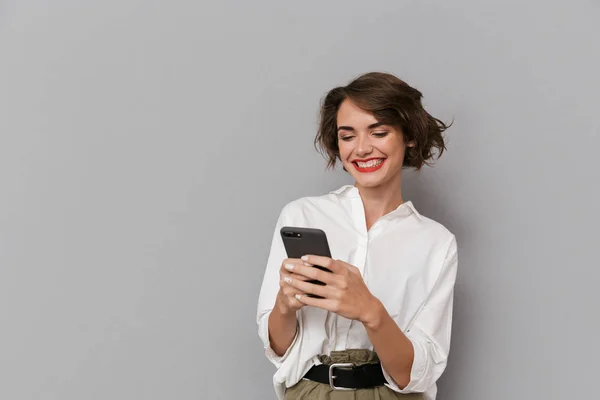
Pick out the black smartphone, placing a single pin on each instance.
(301, 241)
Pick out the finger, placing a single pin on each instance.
(294, 276)
(290, 294)
(290, 291)
(315, 273)
(289, 263)
(292, 260)
(325, 304)
(325, 262)
(307, 287)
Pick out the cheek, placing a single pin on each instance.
(344, 150)
(397, 151)
(394, 149)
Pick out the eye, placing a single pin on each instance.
(380, 134)
(346, 138)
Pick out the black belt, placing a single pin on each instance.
(346, 376)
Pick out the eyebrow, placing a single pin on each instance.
(349, 128)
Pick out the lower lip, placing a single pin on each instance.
(369, 169)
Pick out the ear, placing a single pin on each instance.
(410, 144)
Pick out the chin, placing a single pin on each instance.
(368, 181)
(369, 184)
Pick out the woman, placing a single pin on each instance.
(386, 308)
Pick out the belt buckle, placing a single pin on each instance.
(332, 377)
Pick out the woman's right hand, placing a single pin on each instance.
(286, 297)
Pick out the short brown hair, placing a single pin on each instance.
(392, 102)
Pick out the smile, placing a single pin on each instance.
(370, 165)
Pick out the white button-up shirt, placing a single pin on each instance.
(407, 261)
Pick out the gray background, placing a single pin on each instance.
(147, 147)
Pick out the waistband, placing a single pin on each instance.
(356, 356)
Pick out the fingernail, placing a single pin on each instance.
(289, 267)
(298, 296)
(287, 279)
(304, 258)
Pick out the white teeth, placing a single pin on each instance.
(369, 164)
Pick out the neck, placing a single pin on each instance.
(380, 200)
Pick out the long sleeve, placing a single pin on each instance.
(269, 289)
(430, 332)
(308, 340)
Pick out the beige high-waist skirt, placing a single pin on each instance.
(310, 390)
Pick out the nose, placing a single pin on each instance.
(363, 145)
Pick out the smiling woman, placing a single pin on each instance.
(380, 328)
(385, 101)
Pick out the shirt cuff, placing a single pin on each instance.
(269, 352)
(417, 372)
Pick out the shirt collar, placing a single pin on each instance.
(410, 205)
(352, 191)
(348, 190)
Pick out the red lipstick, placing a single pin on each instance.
(368, 169)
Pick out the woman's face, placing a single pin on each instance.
(371, 152)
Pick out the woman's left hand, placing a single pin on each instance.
(344, 293)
